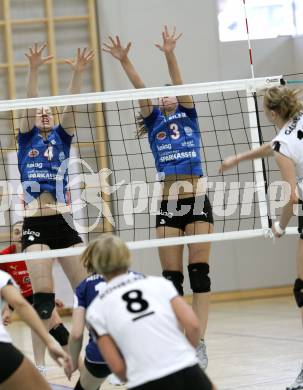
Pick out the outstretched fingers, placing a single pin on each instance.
(112, 41)
(42, 47)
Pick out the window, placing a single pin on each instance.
(266, 18)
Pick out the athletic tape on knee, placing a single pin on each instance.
(177, 278)
(44, 304)
(298, 287)
(198, 277)
(60, 334)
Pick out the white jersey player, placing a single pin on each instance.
(139, 324)
(16, 370)
(284, 109)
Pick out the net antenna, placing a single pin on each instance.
(256, 137)
(248, 42)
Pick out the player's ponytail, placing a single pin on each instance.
(141, 128)
(284, 101)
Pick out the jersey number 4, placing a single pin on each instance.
(49, 153)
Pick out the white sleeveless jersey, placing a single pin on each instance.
(289, 142)
(5, 279)
(136, 311)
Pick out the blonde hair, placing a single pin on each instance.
(284, 101)
(105, 255)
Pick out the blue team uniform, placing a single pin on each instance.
(85, 293)
(39, 161)
(175, 141)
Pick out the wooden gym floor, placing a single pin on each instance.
(252, 345)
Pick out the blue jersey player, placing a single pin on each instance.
(174, 137)
(94, 370)
(43, 146)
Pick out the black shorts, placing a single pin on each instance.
(190, 378)
(98, 370)
(193, 209)
(300, 218)
(11, 359)
(30, 299)
(53, 231)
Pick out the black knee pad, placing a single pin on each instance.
(44, 304)
(60, 334)
(198, 277)
(298, 286)
(177, 278)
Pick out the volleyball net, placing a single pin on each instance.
(113, 182)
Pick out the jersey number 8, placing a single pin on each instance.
(135, 301)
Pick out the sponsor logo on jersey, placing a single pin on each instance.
(162, 222)
(45, 175)
(31, 233)
(177, 116)
(34, 165)
(166, 214)
(188, 131)
(53, 142)
(33, 153)
(161, 135)
(164, 147)
(14, 267)
(61, 156)
(188, 144)
(178, 155)
(26, 280)
(293, 125)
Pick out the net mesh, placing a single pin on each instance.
(112, 176)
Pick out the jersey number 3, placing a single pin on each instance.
(175, 131)
(135, 301)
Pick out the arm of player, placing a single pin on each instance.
(76, 335)
(187, 319)
(121, 54)
(6, 315)
(168, 47)
(230, 162)
(30, 317)
(288, 173)
(35, 59)
(111, 354)
(83, 59)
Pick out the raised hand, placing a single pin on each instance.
(34, 56)
(228, 163)
(83, 58)
(116, 49)
(169, 40)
